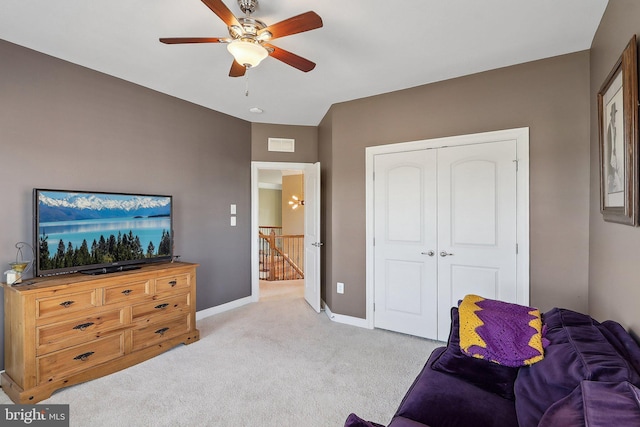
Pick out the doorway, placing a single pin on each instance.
(310, 206)
(281, 225)
(449, 217)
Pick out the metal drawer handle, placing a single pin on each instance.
(83, 326)
(161, 306)
(162, 331)
(83, 356)
(127, 291)
(173, 283)
(66, 304)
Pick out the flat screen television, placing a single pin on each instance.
(98, 232)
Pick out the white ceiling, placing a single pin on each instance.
(273, 177)
(366, 47)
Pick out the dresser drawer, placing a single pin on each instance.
(79, 358)
(170, 283)
(157, 332)
(127, 292)
(162, 308)
(65, 303)
(77, 331)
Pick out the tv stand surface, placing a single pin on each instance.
(110, 269)
(64, 330)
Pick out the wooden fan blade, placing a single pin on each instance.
(222, 11)
(178, 40)
(237, 70)
(291, 58)
(298, 24)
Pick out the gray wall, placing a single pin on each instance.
(550, 96)
(614, 287)
(65, 126)
(306, 146)
(270, 207)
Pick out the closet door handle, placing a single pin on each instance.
(430, 253)
(444, 254)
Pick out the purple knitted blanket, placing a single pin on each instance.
(504, 333)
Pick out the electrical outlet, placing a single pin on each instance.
(340, 288)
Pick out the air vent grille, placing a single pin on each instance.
(282, 145)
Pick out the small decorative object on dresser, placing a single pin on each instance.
(67, 329)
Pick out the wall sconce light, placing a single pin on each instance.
(295, 202)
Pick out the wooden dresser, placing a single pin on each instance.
(63, 330)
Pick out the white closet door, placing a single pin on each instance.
(405, 236)
(445, 225)
(476, 225)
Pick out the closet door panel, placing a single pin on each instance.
(476, 225)
(405, 232)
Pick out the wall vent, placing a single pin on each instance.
(282, 145)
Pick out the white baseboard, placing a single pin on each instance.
(341, 318)
(338, 318)
(223, 307)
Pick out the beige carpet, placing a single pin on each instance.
(273, 363)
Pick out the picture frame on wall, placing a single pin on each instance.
(618, 139)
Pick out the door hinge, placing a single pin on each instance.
(516, 249)
(516, 162)
(374, 306)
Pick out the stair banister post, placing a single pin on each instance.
(272, 245)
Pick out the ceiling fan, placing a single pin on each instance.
(249, 37)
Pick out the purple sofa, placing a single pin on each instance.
(589, 377)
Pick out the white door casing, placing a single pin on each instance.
(477, 231)
(310, 200)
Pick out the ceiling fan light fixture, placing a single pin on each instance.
(249, 38)
(247, 53)
(264, 36)
(235, 31)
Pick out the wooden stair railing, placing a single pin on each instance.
(280, 255)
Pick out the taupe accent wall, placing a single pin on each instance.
(68, 127)
(292, 219)
(306, 146)
(614, 267)
(549, 96)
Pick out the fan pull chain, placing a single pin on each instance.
(246, 80)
